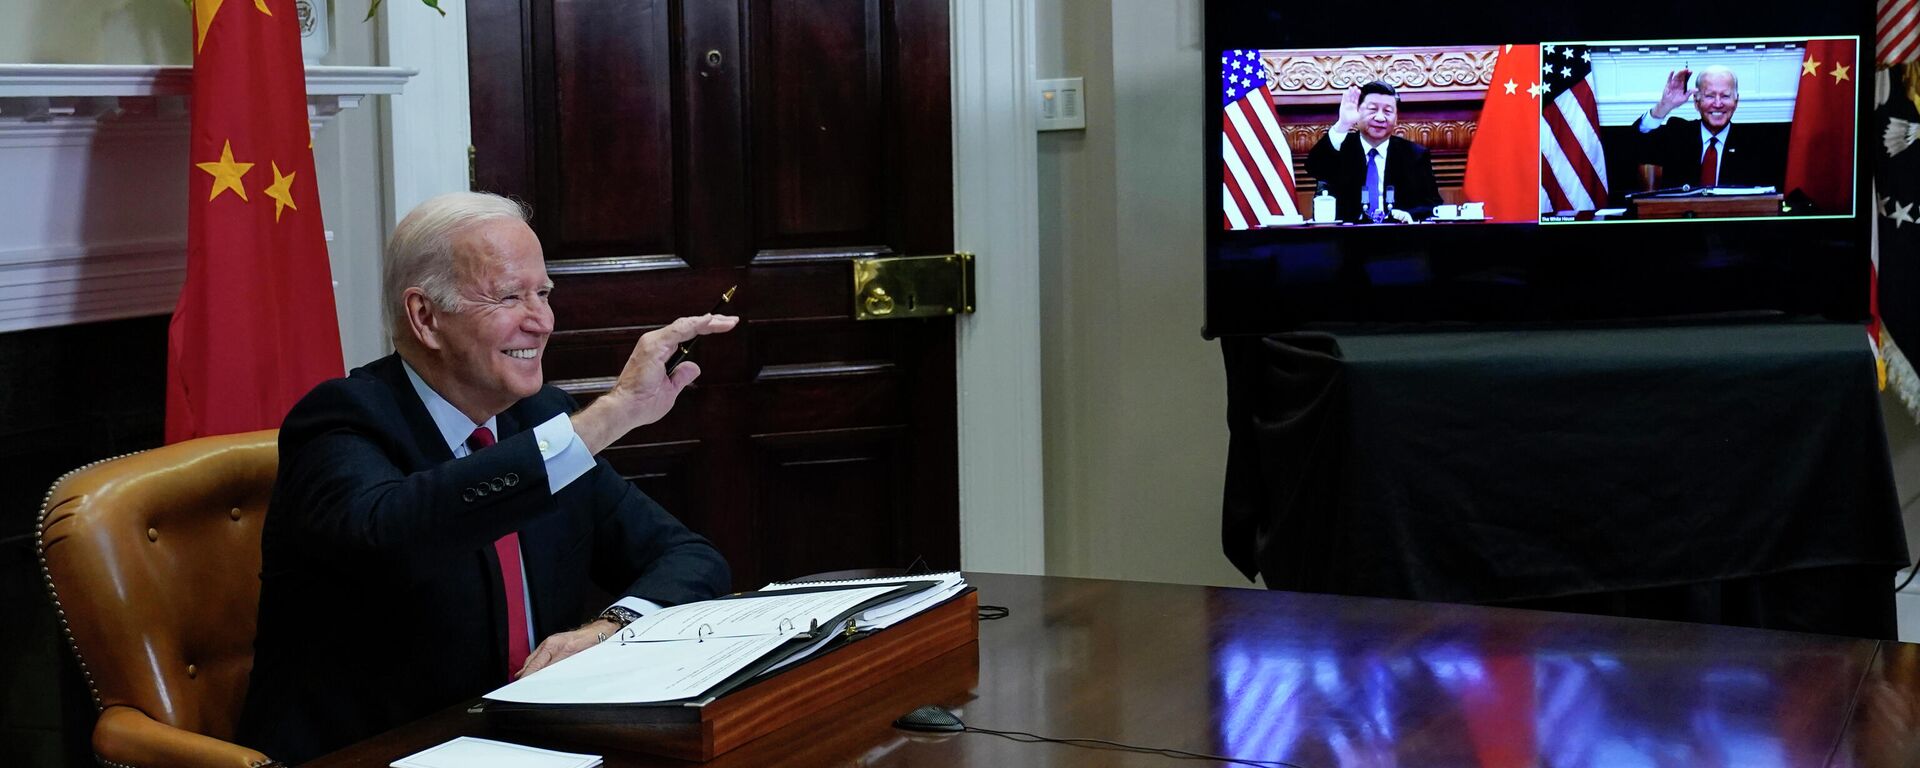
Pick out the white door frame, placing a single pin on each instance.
(996, 217)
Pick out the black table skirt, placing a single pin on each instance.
(1714, 473)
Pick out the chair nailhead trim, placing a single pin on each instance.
(46, 576)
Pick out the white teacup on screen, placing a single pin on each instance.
(1473, 210)
(1446, 211)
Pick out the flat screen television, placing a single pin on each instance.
(1506, 162)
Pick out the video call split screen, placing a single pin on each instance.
(1548, 133)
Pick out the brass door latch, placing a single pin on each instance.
(895, 287)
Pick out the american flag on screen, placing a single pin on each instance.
(1257, 181)
(1897, 25)
(1573, 167)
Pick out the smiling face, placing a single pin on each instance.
(1716, 96)
(485, 354)
(1379, 113)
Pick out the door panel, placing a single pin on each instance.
(804, 522)
(673, 149)
(817, 86)
(615, 131)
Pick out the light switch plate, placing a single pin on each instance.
(1062, 105)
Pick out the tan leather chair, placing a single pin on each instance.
(153, 561)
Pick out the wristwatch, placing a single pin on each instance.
(620, 615)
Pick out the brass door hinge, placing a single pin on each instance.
(896, 287)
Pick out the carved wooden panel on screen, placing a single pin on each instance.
(683, 147)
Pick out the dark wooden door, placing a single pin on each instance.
(672, 149)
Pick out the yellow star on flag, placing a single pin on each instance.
(1536, 89)
(226, 173)
(281, 191)
(203, 11)
(1839, 73)
(1809, 67)
(1511, 85)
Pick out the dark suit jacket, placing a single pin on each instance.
(1344, 169)
(380, 598)
(1750, 158)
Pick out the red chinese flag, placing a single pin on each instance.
(255, 328)
(1503, 163)
(1820, 149)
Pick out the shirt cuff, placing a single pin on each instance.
(1336, 137)
(638, 605)
(565, 454)
(1647, 123)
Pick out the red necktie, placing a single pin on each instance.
(1710, 164)
(508, 548)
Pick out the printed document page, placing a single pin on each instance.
(681, 652)
(888, 614)
(469, 752)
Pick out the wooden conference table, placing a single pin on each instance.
(1323, 681)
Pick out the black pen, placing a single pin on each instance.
(686, 350)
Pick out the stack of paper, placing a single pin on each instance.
(883, 616)
(469, 752)
(692, 653)
(879, 617)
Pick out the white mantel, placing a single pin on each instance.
(93, 163)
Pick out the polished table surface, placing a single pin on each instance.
(1321, 681)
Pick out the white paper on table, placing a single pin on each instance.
(743, 617)
(684, 651)
(469, 752)
(801, 655)
(638, 673)
(889, 614)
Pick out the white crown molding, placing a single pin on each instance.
(140, 80)
(35, 94)
(97, 160)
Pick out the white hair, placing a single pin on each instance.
(420, 252)
(1717, 69)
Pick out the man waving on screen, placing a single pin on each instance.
(1360, 158)
(1707, 152)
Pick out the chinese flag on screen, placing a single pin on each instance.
(1820, 148)
(255, 328)
(1503, 163)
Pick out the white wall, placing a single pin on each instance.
(1134, 399)
(347, 151)
(1628, 80)
(348, 156)
(95, 32)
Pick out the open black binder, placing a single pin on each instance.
(813, 641)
